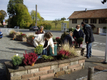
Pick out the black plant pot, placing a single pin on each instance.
(16, 67)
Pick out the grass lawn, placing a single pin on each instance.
(58, 27)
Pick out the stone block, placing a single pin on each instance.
(73, 63)
(40, 73)
(33, 70)
(50, 71)
(34, 78)
(44, 68)
(62, 65)
(54, 66)
(57, 70)
(42, 77)
(27, 76)
(16, 78)
(19, 73)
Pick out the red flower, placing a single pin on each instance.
(29, 58)
(63, 53)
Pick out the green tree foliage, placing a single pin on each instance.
(33, 16)
(56, 21)
(63, 18)
(3, 14)
(22, 17)
(11, 6)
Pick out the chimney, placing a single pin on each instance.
(85, 9)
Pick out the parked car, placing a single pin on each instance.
(33, 28)
(1, 34)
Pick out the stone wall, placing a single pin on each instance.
(45, 70)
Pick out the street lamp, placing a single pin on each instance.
(106, 46)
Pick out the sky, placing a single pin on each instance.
(56, 9)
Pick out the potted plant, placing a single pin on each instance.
(39, 49)
(80, 40)
(63, 54)
(30, 39)
(12, 34)
(30, 58)
(16, 61)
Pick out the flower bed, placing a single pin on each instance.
(45, 70)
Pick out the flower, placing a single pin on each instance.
(39, 49)
(23, 35)
(64, 53)
(29, 58)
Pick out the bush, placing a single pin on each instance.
(39, 49)
(46, 25)
(29, 58)
(47, 57)
(63, 35)
(16, 60)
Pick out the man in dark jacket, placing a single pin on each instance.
(88, 38)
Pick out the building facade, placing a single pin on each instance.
(96, 18)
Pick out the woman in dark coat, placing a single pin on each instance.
(78, 35)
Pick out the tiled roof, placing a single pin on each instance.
(98, 13)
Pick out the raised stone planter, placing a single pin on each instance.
(45, 70)
(20, 38)
(30, 41)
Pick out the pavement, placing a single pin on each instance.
(9, 49)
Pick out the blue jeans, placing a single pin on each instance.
(44, 52)
(89, 46)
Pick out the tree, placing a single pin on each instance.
(11, 6)
(3, 14)
(56, 21)
(63, 18)
(33, 16)
(22, 17)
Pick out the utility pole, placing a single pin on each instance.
(106, 46)
(36, 16)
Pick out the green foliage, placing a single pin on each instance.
(46, 25)
(16, 60)
(39, 49)
(3, 14)
(63, 35)
(56, 22)
(47, 57)
(80, 40)
(71, 29)
(11, 6)
(63, 18)
(22, 17)
(33, 14)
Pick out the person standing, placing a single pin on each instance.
(78, 35)
(41, 31)
(89, 38)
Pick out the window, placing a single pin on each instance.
(74, 20)
(93, 21)
(102, 20)
(85, 20)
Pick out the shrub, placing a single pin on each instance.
(12, 32)
(63, 35)
(31, 37)
(58, 40)
(39, 49)
(63, 54)
(47, 57)
(80, 40)
(16, 60)
(29, 58)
